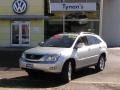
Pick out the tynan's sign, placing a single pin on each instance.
(59, 7)
(19, 6)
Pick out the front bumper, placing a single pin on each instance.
(52, 68)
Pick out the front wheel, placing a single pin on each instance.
(32, 73)
(101, 64)
(67, 72)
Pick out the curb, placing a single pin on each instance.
(9, 69)
(115, 48)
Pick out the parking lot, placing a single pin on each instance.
(85, 79)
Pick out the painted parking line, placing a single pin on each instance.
(81, 82)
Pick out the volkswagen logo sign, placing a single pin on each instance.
(19, 6)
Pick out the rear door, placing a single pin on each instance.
(94, 49)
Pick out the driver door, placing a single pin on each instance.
(83, 53)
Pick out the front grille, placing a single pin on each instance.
(33, 56)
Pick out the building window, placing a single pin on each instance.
(75, 21)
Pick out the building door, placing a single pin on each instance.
(20, 34)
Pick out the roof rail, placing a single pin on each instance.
(86, 33)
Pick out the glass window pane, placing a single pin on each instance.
(25, 34)
(74, 21)
(15, 34)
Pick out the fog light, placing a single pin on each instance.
(53, 68)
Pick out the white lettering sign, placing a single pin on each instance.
(54, 7)
(35, 29)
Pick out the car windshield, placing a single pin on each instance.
(64, 41)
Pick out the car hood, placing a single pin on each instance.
(45, 50)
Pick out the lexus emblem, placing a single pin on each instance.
(32, 56)
(19, 6)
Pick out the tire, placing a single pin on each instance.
(67, 72)
(101, 64)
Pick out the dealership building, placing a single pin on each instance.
(25, 23)
(21, 22)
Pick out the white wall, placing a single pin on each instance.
(111, 22)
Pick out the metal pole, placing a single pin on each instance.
(101, 18)
(49, 6)
(63, 22)
(63, 18)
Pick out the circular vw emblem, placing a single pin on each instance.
(19, 6)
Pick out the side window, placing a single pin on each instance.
(93, 40)
(97, 40)
(82, 40)
(79, 41)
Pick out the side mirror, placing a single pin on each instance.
(41, 43)
(79, 45)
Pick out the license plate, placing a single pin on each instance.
(29, 66)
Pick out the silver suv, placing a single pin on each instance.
(65, 53)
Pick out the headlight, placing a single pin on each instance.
(50, 58)
(23, 55)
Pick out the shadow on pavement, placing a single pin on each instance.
(43, 81)
(84, 72)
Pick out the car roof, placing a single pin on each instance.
(74, 34)
(77, 34)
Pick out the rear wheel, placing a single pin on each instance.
(101, 64)
(67, 72)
